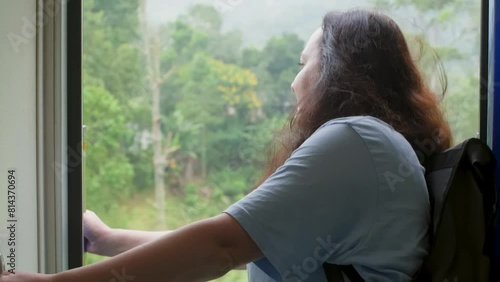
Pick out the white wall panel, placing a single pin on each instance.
(18, 135)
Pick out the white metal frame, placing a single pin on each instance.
(51, 136)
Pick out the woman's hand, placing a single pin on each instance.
(25, 277)
(96, 232)
(105, 241)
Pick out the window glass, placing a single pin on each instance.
(181, 97)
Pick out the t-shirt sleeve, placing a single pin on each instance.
(318, 206)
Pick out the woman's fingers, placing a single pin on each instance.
(24, 277)
(94, 231)
(93, 226)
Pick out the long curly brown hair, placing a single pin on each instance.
(366, 68)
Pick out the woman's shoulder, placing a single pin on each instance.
(378, 139)
(373, 131)
(361, 123)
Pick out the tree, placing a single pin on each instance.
(112, 60)
(162, 57)
(276, 67)
(213, 95)
(120, 17)
(155, 78)
(108, 173)
(223, 46)
(111, 52)
(204, 70)
(110, 68)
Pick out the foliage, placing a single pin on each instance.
(221, 103)
(235, 85)
(276, 66)
(108, 171)
(112, 64)
(111, 47)
(457, 21)
(137, 213)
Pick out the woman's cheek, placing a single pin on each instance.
(305, 85)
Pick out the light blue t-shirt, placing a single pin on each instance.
(353, 193)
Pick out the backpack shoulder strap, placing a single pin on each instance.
(483, 165)
(334, 273)
(439, 172)
(353, 275)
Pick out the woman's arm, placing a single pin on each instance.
(122, 240)
(201, 251)
(118, 241)
(106, 241)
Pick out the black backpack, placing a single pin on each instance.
(461, 184)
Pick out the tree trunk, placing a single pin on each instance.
(204, 153)
(153, 71)
(188, 171)
(159, 160)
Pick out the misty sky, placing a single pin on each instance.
(259, 19)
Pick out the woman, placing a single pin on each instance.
(345, 185)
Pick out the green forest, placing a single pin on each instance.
(179, 115)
